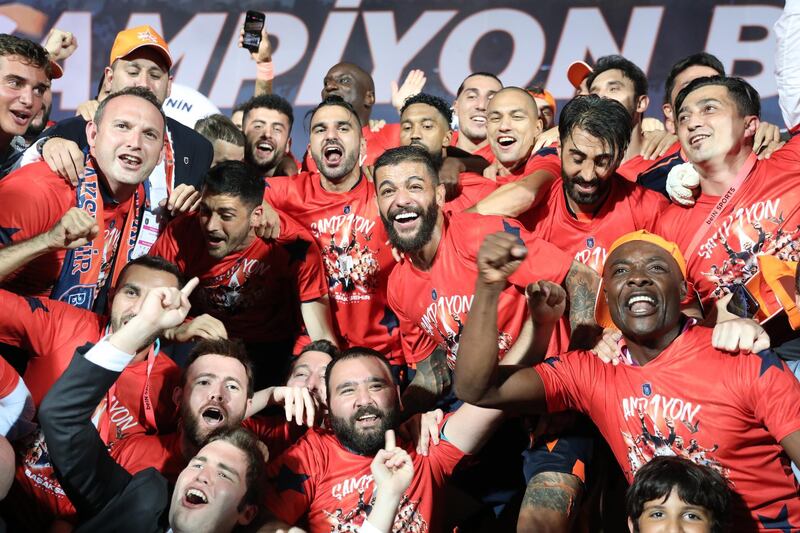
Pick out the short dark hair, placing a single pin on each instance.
(269, 101)
(695, 484)
(743, 94)
(238, 179)
(323, 345)
(411, 153)
(484, 74)
(218, 127)
(155, 262)
(434, 101)
(226, 348)
(30, 52)
(628, 69)
(604, 118)
(248, 443)
(140, 92)
(334, 100)
(702, 59)
(355, 352)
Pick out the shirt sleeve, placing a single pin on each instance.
(444, 457)
(417, 345)
(544, 261)
(292, 478)
(774, 392)
(29, 206)
(570, 380)
(545, 159)
(311, 277)
(787, 63)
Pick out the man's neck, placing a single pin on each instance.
(424, 257)
(635, 144)
(586, 209)
(645, 350)
(718, 175)
(470, 145)
(188, 450)
(345, 184)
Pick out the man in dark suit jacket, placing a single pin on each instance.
(215, 492)
(139, 58)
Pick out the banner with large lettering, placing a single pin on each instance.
(523, 41)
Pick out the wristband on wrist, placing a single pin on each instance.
(265, 71)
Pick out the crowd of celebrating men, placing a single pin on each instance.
(487, 315)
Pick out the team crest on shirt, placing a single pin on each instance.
(590, 242)
(434, 295)
(347, 210)
(647, 389)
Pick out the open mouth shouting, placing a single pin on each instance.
(215, 240)
(641, 304)
(21, 117)
(214, 416)
(332, 155)
(367, 417)
(506, 142)
(264, 149)
(405, 220)
(194, 498)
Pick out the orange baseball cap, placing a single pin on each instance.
(134, 38)
(577, 72)
(774, 289)
(601, 313)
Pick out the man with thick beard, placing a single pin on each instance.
(267, 124)
(324, 480)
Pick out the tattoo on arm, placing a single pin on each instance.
(581, 284)
(430, 382)
(552, 491)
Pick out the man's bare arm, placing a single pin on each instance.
(317, 319)
(429, 384)
(513, 199)
(581, 284)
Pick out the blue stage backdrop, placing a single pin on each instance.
(524, 42)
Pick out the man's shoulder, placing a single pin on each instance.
(181, 133)
(73, 128)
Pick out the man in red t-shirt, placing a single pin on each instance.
(432, 288)
(139, 403)
(660, 403)
(110, 191)
(746, 207)
(324, 480)
(239, 271)
(337, 205)
(425, 122)
(470, 105)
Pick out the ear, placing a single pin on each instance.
(169, 85)
(440, 195)
(162, 154)
(289, 144)
(667, 109)
(641, 105)
(91, 135)
(630, 526)
(255, 216)
(177, 396)
(362, 152)
(448, 137)
(683, 289)
(247, 515)
(369, 98)
(108, 75)
(751, 123)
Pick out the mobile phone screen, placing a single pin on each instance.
(253, 24)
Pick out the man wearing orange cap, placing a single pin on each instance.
(660, 400)
(546, 104)
(139, 58)
(577, 74)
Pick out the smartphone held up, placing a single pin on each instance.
(253, 24)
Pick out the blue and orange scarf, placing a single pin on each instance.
(80, 274)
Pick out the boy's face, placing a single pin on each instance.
(672, 515)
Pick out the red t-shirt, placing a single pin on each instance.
(353, 241)
(762, 218)
(627, 208)
(636, 165)
(275, 432)
(34, 199)
(331, 488)
(234, 289)
(484, 151)
(473, 188)
(545, 159)
(670, 407)
(388, 136)
(433, 305)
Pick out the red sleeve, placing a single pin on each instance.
(30, 205)
(22, 319)
(444, 457)
(293, 479)
(474, 188)
(545, 159)
(273, 431)
(8, 378)
(276, 192)
(570, 380)
(648, 208)
(544, 261)
(312, 281)
(774, 391)
(417, 345)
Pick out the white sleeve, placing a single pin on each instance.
(108, 356)
(16, 412)
(787, 63)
